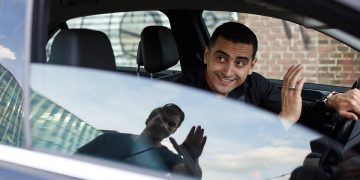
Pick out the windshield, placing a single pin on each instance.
(242, 141)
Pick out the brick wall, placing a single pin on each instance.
(282, 44)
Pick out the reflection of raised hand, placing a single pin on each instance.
(291, 101)
(191, 149)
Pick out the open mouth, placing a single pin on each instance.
(225, 81)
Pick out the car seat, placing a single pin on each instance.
(157, 50)
(84, 48)
(139, 59)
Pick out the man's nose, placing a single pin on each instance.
(164, 125)
(165, 128)
(227, 69)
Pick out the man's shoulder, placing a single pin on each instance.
(194, 78)
(115, 135)
(257, 76)
(258, 83)
(187, 79)
(256, 79)
(184, 79)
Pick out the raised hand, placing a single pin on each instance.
(191, 149)
(291, 101)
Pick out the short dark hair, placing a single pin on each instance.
(235, 32)
(169, 109)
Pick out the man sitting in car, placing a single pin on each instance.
(146, 149)
(228, 66)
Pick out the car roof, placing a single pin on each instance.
(333, 13)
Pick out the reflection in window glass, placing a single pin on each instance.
(282, 44)
(11, 113)
(123, 30)
(55, 129)
(12, 18)
(215, 18)
(238, 143)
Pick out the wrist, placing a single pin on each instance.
(328, 101)
(287, 117)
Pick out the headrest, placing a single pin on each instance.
(139, 59)
(159, 49)
(83, 47)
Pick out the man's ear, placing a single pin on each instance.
(253, 63)
(206, 55)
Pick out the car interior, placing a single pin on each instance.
(83, 48)
(158, 51)
(160, 48)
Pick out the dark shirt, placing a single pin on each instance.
(121, 147)
(259, 91)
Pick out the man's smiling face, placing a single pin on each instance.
(228, 65)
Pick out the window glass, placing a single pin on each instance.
(12, 14)
(55, 129)
(123, 30)
(97, 102)
(11, 113)
(283, 43)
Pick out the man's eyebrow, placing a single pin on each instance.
(227, 55)
(222, 52)
(243, 58)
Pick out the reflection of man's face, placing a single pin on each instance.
(228, 65)
(161, 126)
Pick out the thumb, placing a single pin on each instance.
(175, 144)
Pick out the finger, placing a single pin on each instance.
(286, 76)
(348, 115)
(357, 91)
(356, 98)
(356, 110)
(289, 78)
(299, 87)
(295, 75)
(203, 142)
(198, 135)
(197, 129)
(190, 135)
(291, 72)
(294, 78)
(354, 104)
(353, 98)
(175, 144)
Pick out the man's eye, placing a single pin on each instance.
(172, 124)
(241, 62)
(220, 58)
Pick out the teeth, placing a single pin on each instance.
(225, 80)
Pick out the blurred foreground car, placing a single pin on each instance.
(56, 97)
